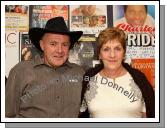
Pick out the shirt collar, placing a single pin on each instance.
(38, 61)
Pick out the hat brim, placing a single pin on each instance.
(35, 34)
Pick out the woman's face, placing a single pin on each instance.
(112, 54)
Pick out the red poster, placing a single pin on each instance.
(147, 66)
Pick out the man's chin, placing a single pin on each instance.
(57, 64)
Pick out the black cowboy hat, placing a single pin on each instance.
(55, 25)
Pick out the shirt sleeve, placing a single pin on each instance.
(11, 95)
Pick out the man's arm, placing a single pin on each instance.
(12, 95)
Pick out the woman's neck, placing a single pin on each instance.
(114, 73)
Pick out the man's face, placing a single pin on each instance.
(88, 10)
(136, 15)
(56, 49)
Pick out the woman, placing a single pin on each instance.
(114, 89)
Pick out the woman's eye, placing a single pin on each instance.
(118, 48)
(106, 49)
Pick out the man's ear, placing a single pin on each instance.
(41, 45)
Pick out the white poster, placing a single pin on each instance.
(91, 19)
(11, 51)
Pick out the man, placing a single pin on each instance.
(136, 15)
(48, 85)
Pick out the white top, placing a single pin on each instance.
(122, 100)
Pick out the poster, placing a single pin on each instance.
(138, 22)
(91, 19)
(11, 50)
(84, 52)
(42, 13)
(17, 17)
(147, 66)
(27, 49)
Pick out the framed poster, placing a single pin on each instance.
(42, 13)
(17, 17)
(91, 19)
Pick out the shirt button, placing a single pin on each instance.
(58, 97)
